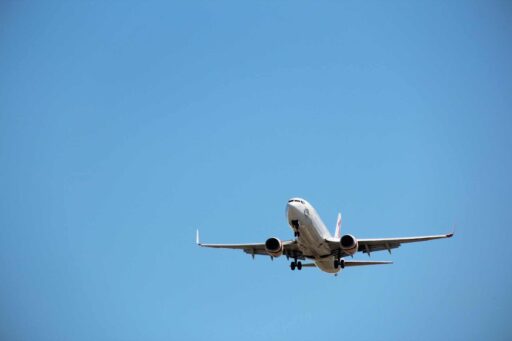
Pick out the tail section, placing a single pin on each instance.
(337, 232)
(364, 262)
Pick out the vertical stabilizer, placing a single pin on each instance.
(337, 232)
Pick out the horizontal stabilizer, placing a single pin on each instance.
(365, 262)
(352, 263)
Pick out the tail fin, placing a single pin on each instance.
(337, 232)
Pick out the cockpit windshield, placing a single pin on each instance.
(296, 200)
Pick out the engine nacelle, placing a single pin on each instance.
(349, 244)
(274, 247)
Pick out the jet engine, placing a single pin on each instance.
(349, 244)
(274, 247)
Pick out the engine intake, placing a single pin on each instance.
(349, 244)
(274, 247)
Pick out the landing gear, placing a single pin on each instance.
(339, 263)
(296, 264)
(295, 225)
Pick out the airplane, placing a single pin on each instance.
(313, 241)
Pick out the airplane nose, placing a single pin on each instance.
(292, 210)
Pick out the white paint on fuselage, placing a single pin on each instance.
(312, 233)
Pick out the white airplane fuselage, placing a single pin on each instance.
(311, 233)
(314, 241)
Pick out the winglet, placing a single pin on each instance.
(449, 235)
(197, 237)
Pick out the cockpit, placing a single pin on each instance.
(297, 200)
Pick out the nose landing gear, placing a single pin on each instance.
(295, 225)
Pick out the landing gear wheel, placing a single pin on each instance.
(339, 263)
(292, 266)
(299, 265)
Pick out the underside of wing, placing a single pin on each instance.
(380, 244)
(288, 248)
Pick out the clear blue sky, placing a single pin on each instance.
(124, 126)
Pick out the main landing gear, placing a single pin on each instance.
(296, 264)
(339, 263)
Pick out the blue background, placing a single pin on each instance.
(124, 126)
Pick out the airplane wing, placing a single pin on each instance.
(371, 245)
(290, 248)
(379, 244)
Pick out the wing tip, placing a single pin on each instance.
(449, 235)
